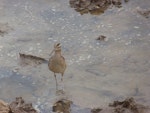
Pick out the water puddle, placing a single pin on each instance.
(99, 70)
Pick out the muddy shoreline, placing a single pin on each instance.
(106, 45)
(66, 106)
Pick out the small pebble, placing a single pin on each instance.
(89, 56)
(101, 38)
(102, 25)
(8, 54)
(23, 76)
(1, 47)
(53, 9)
(31, 48)
(33, 83)
(20, 84)
(38, 44)
(39, 50)
(136, 27)
(15, 70)
(50, 38)
(138, 34)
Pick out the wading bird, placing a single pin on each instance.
(57, 62)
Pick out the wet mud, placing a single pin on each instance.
(128, 105)
(107, 56)
(4, 29)
(144, 12)
(4, 107)
(95, 7)
(31, 60)
(66, 106)
(101, 38)
(20, 106)
(63, 106)
(96, 110)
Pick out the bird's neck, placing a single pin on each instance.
(58, 53)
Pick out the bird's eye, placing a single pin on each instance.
(58, 44)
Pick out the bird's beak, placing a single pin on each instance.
(51, 52)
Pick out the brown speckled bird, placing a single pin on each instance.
(57, 62)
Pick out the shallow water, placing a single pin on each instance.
(97, 72)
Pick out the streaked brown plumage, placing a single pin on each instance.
(57, 62)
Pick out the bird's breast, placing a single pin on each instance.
(57, 64)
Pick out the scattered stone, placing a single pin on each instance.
(4, 29)
(19, 106)
(2, 32)
(126, 0)
(94, 7)
(96, 110)
(66, 106)
(62, 106)
(117, 3)
(101, 38)
(31, 60)
(4, 108)
(144, 12)
(136, 27)
(128, 106)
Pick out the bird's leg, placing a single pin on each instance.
(56, 81)
(62, 81)
(62, 77)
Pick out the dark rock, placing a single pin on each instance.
(101, 38)
(96, 110)
(62, 106)
(19, 106)
(117, 3)
(3, 32)
(126, 0)
(4, 107)
(31, 60)
(128, 106)
(144, 12)
(4, 29)
(94, 7)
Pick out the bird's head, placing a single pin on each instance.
(57, 48)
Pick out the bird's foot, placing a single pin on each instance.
(60, 92)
